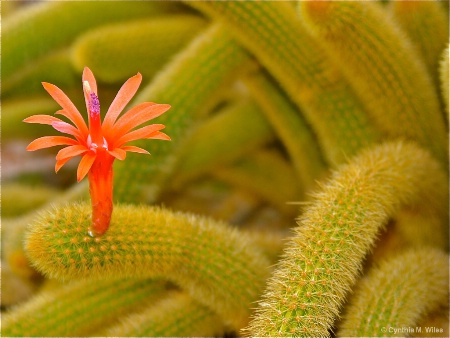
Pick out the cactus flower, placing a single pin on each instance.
(99, 143)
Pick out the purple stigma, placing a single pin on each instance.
(94, 104)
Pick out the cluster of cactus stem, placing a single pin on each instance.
(304, 192)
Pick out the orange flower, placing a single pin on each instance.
(99, 144)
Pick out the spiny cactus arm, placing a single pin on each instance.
(15, 289)
(34, 26)
(236, 130)
(444, 78)
(302, 69)
(191, 84)
(16, 109)
(396, 88)
(217, 265)
(427, 26)
(267, 174)
(13, 234)
(18, 199)
(153, 43)
(324, 257)
(291, 127)
(79, 308)
(177, 315)
(55, 67)
(397, 294)
(212, 197)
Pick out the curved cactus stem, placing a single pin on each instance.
(54, 67)
(191, 84)
(154, 41)
(177, 315)
(323, 259)
(427, 26)
(397, 294)
(34, 26)
(267, 174)
(235, 130)
(290, 126)
(382, 67)
(79, 308)
(303, 70)
(217, 265)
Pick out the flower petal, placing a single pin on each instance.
(71, 151)
(128, 121)
(70, 111)
(50, 141)
(137, 134)
(157, 135)
(66, 128)
(135, 149)
(89, 77)
(108, 130)
(42, 119)
(122, 98)
(85, 165)
(60, 163)
(118, 153)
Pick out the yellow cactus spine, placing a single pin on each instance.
(383, 69)
(323, 259)
(397, 294)
(198, 254)
(153, 43)
(79, 308)
(191, 83)
(302, 69)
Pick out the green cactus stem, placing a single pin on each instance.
(15, 264)
(323, 259)
(191, 84)
(217, 265)
(16, 109)
(18, 199)
(113, 52)
(397, 294)
(388, 77)
(54, 67)
(291, 128)
(427, 26)
(302, 69)
(268, 175)
(79, 308)
(211, 145)
(177, 315)
(34, 26)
